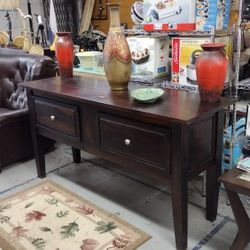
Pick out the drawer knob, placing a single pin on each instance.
(52, 117)
(127, 142)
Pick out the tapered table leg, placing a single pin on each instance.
(214, 171)
(212, 192)
(179, 185)
(179, 203)
(39, 155)
(76, 155)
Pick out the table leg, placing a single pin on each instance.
(212, 192)
(39, 155)
(214, 171)
(179, 185)
(242, 220)
(76, 155)
(180, 206)
(36, 139)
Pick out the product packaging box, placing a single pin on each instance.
(149, 55)
(240, 128)
(212, 13)
(169, 15)
(185, 51)
(226, 14)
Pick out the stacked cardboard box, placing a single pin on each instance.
(169, 14)
(149, 55)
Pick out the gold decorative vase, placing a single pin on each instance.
(117, 56)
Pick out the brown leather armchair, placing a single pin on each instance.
(15, 136)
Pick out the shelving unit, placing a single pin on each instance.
(169, 33)
(236, 83)
(166, 82)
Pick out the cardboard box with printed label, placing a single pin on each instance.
(149, 55)
(185, 52)
(169, 14)
(212, 14)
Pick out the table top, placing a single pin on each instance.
(174, 106)
(230, 178)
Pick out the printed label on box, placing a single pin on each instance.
(212, 14)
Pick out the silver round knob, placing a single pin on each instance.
(127, 142)
(52, 117)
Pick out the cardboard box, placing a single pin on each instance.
(226, 15)
(185, 51)
(212, 13)
(169, 15)
(240, 128)
(149, 55)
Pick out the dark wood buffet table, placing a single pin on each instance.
(173, 139)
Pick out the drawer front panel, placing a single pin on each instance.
(60, 117)
(150, 144)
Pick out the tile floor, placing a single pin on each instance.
(141, 202)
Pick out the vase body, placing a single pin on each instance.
(211, 69)
(64, 49)
(117, 57)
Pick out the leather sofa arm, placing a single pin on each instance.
(15, 69)
(10, 116)
(44, 68)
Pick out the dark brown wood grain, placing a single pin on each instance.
(174, 139)
(145, 143)
(65, 117)
(233, 186)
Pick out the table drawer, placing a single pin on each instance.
(140, 141)
(57, 116)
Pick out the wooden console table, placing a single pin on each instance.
(174, 139)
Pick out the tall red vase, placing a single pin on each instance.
(65, 54)
(211, 70)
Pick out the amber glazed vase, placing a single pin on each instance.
(64, 49)
(211, 69)
(117, 57)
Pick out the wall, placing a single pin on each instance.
(125, 7)
(36, 8)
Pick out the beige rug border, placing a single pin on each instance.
(4, 241)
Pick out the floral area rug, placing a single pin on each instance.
(48, 216)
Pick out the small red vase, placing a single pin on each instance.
(211, 70)
(64, 49)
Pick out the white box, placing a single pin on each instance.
(149, 55)
(169, 14)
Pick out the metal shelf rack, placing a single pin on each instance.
(166, 83)
(192, 33)
(237, 85)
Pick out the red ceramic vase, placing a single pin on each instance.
(65, 54)
(211, 70)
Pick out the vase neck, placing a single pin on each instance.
(213, 46)
(114, 16)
